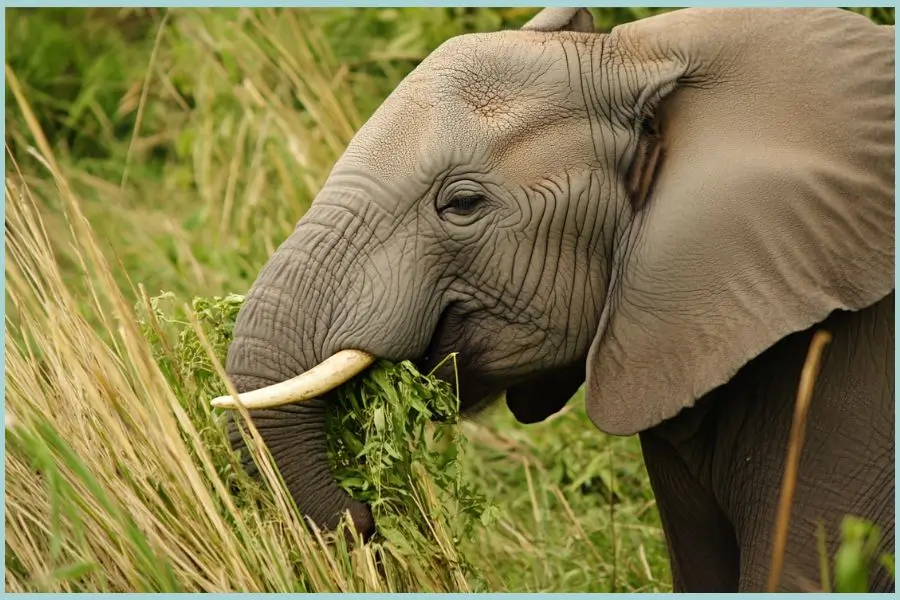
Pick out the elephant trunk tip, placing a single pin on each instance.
(363, 520)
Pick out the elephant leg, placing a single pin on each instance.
(847, 460)
(845, 469)
(703, 551)
(814, 506)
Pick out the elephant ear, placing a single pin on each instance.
(772, 206)
(562, 19)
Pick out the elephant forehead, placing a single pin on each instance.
(490, 74)
(481, 95)
(505, 75)
(410, 132)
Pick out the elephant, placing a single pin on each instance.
(664, 214)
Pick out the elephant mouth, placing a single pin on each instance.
(436, 358)
(474, 395)
(475, 390)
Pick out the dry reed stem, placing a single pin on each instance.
(795, 445)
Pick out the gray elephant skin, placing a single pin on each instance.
(665, 213)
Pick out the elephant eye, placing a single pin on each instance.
(463, 204)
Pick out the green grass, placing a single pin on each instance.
(181, 147)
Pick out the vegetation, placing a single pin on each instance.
(154, 160)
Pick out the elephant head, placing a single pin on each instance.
(646, 210)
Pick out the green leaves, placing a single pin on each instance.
(395, 443)
(855, 559)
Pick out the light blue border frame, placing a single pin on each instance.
(345, 3)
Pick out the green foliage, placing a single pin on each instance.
(388, 428)
(177, 347)
(856, 557)
(393, 433)
(385, 423)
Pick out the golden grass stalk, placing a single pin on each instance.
(792, 463)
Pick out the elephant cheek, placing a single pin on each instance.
(543, 396)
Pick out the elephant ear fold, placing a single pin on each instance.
(562, 19)
(765, 216)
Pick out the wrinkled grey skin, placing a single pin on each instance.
(664, 213)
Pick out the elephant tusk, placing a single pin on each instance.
(324, 377)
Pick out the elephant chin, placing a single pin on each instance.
(531, 400)
(541, 397)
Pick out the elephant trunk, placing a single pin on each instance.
(295, 436)
(280, 333)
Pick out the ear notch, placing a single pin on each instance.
(763, 220)
(562, 19)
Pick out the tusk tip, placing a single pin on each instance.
(223, 402)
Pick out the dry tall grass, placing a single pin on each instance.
(110, 486)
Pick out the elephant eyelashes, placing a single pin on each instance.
(461, 205)
(647, 158)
